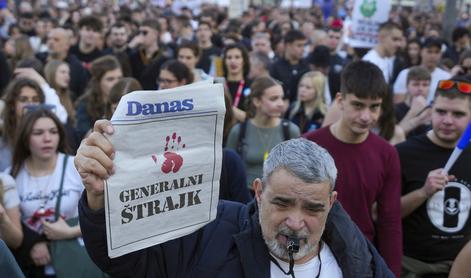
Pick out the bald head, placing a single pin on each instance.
(58, 42)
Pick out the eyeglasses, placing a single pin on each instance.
(144, 32)
(463, 87)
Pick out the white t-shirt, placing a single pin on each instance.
(37, 191)
(310, 269)
(400, 86)
(385, 64)
(10, 195)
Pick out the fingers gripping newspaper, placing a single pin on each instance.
(168, 161)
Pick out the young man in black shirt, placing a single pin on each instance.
(90, 28)
(435, 205)
(288, 67)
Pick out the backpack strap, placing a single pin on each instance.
(241, 141)
(59, 194)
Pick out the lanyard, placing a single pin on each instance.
(238, 93)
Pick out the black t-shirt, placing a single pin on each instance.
(400, 111)
(205, 60)
(440, 227)
(306, 124)
(233, 87)
(289, 75)
(86, 58)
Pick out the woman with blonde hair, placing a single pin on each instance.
(309, 109)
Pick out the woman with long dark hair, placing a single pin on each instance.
(39, 162)
(236, 67)
(105, 71)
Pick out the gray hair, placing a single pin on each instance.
(302, 158)
(260, 58)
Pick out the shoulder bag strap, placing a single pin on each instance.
(59, 196)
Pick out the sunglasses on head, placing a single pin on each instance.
(463, 87)
(34, 107)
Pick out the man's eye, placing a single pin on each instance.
(280, 204)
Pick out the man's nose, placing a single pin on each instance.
(448, 119)
(295, 221)
(365, 115)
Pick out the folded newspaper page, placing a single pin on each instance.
(168, 162)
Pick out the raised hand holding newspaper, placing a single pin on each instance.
(168, 161)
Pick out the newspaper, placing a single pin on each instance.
(168, 161)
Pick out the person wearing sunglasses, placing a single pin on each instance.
(148, 56)
(435, 205)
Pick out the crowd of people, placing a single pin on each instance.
(385, 118)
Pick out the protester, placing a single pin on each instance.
(291, 63)
(259, 65)
(460, 267)
(38, 165)
(308, 111)
(105, 72)
(122, 87)
(174, 73)
(87, 50)
(204, 34)
(147, 58)
(435, 204)
(20, 93)
(10, 226)
(430, 56)
(369, 165)
(413, 114)
(236, 67)
(58, 43)
(189, 53)
(292, 201)
(254, 138)
(383, 54)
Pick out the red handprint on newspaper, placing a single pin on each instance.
(172, 160)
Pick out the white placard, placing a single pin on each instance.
(366, 18)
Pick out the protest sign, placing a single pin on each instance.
(168, 160)
(366, 18)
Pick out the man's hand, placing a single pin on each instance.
(40, 254)
(436, 181)
(94, 162)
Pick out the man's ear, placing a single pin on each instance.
(257, 187)
(339, 99)
(333, 198)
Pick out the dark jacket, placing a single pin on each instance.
(232, 184)
(230, 246)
